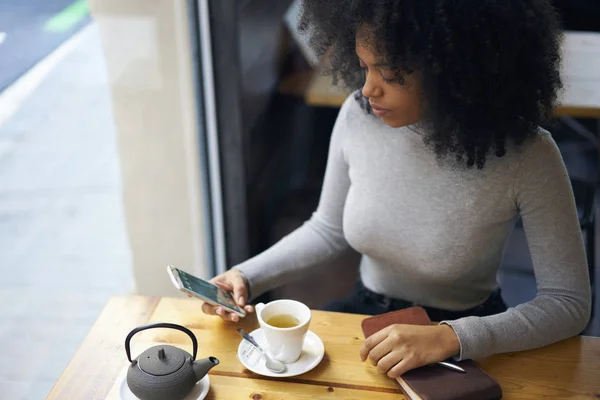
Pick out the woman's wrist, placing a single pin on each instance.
(450, 341)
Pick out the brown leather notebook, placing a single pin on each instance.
(435, 382)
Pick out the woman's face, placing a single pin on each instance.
(397, 104)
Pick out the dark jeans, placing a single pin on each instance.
(364, 301)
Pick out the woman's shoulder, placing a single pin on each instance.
(539, 158)
(537, 152)
(538, 147)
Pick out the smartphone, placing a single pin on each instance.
(204, 290)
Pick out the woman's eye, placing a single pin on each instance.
(398, 79)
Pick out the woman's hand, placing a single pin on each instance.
(230, 281)
(397, 348)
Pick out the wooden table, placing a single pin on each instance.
(566, 370)
(581, 73)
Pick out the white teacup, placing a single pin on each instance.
(284, 344)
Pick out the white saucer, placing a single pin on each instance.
(312, 354)
(199, 391)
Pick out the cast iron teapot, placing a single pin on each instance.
(164, 371)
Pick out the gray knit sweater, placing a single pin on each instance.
(433, 232)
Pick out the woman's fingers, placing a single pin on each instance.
(240, 291)
(372, 341)
(225, 285)
(232, 282)
(209, 309)
(220, 311)
(405, 365)
(389, 361)
(380, 351)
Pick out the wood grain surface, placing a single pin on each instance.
(566, 370)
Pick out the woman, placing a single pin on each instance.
(430, 165)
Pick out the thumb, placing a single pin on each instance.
(240, 291)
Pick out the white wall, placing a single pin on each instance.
(148, 56)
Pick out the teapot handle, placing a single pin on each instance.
(161, 325)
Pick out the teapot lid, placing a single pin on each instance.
(162, 360)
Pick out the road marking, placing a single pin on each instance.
(2, 37)
(68, 17)
(16, 94)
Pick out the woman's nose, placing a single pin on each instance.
(371, 89)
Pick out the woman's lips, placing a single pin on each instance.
(380, 112)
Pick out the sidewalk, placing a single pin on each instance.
(63, 243)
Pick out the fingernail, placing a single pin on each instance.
(241, 300)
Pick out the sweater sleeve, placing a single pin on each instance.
(318, 240)
(562, 306)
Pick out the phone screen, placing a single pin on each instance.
(208, 290)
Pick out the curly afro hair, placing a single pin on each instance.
(489, 69)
